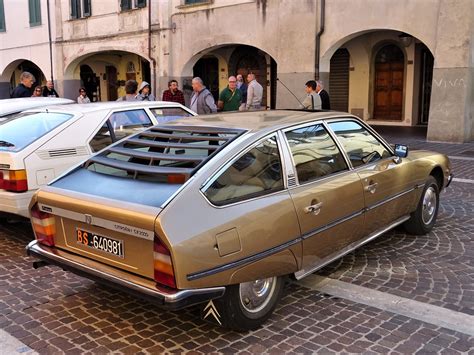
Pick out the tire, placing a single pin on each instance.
(424, 218)
(240, 314)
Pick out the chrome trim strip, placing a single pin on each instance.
(391, 198)
(286, 158)
(99, 222)
(338, 145)
(95, 269)
(330, 258)
(332, 224)
(243, 261)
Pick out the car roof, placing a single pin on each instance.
(8, 106)
(259, 120)
(111, 105)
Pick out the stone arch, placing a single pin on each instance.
(332, 47)
(70, 71)
(7, 72)
(187, 68)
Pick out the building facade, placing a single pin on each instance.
(391, 63)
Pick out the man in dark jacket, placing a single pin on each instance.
(24, 87)
(49, 91)
(323, 94)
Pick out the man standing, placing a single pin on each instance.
(130, 91)
(242, 86)
(325, 103)
(312, 101)
(230, 98)
(48, 90)
(24, 87)
(202, 101)
(254, 93)
(173, 94)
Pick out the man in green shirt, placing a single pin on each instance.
(231, 97)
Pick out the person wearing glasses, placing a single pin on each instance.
(83, 99)
(37, 92)
(231, 97)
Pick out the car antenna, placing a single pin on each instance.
(291, 92)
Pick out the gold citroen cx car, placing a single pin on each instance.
(217, 210)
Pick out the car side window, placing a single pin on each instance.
(124, 123)
(168, 114)
(314, 153)
(101, 139)
(256, 172)
(361, 146)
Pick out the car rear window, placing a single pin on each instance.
(153, 164)
(168, 114)
(18, 133)
(164, 154)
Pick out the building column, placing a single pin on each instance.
(4, 89)
(451, 107)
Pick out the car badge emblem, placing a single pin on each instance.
(212, 310)
(88, 218)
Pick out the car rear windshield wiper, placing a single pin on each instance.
(6, 144)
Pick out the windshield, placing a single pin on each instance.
(18, 133)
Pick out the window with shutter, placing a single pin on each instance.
(125, 5)
(34, 8)
(141, 3)
(75, 9)
(86, 5)
(2, 17)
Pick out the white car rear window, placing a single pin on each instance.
(20, 132)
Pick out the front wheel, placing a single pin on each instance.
(248, 305)
(424, 217)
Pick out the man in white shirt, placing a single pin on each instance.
(254, 93)
(312, 101)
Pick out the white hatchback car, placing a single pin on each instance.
(38, 145)
(11, 107)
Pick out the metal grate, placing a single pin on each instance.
(165, 150)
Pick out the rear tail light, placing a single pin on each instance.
(13, 180)
(176, 179)
(43, 225)
(163, 264)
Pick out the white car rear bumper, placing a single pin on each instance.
(16, 202)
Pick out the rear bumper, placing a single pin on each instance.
(16, 202)
(122, 280)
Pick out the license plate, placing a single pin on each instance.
(101, 243)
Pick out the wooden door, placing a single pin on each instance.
(388, 87)
(111, 83)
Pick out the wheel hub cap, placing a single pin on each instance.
(255, 295)
(429, 205)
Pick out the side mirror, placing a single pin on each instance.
(401, 150)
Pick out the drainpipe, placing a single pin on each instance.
(318, 38)
(153, 61)
(50, 42)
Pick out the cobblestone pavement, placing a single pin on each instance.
(53, 311)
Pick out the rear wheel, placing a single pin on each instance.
(424, 217)
(248, 305)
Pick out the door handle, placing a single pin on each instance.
(314, 209)
(371, 187)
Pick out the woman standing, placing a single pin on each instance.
(83, 99)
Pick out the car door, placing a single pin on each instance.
(328, 196)
(254, 216)
(386, 179)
